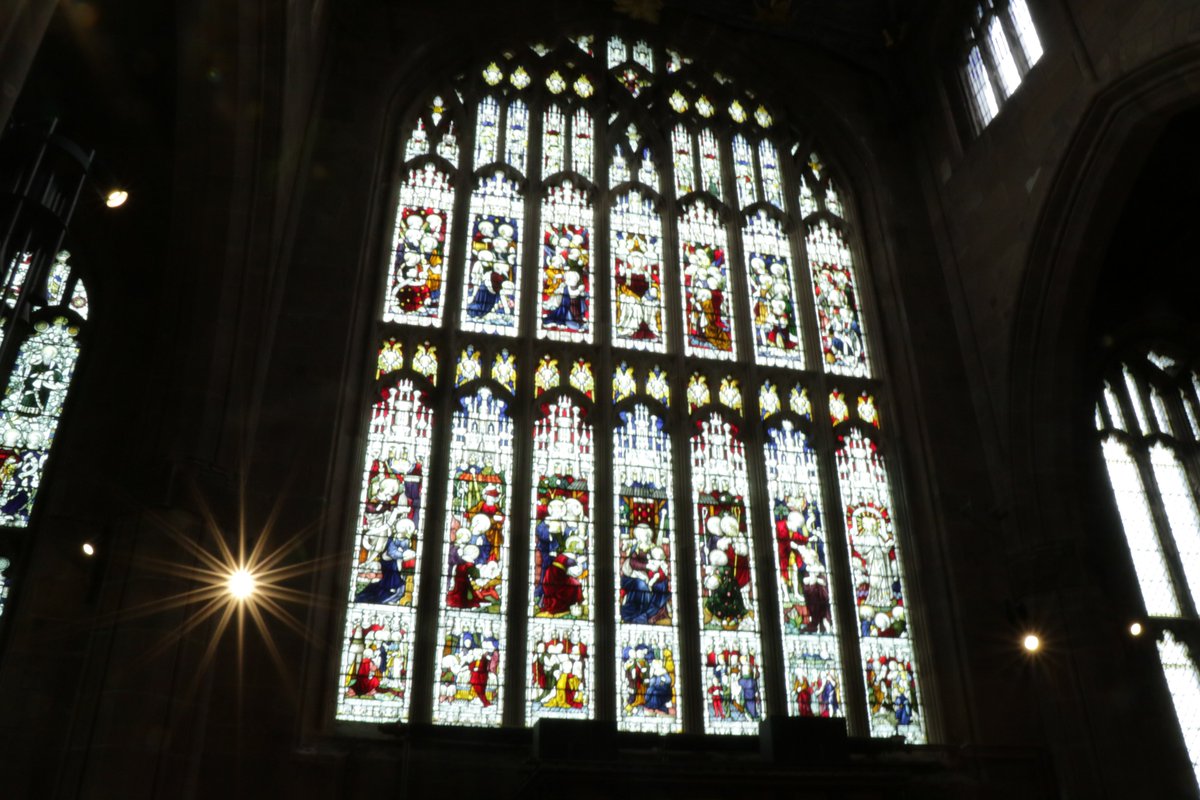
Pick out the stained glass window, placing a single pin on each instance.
(730, 480)
(1002, 45)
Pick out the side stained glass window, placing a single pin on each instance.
(661, 502)
(1144, 417)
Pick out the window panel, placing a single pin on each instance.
(685, 175)
(707, 295)
(1180, 506)
(1183, 682)
(487, 132)
(554, 141)
(1026, 33)
(492, 289)
(743, 171)
(419, 248)
(637, 274)
(1002, 55)
(565, 309)
(516, 141)
(772, 177)
(981, 88)
(582, 150)
(837, 303)
(773, 293)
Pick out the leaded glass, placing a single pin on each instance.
(375, 676)
(878, 590)
(737, 112)
(517, 139)
(425, 362)
(698, 393)
(1180, 507)
(419, 248)
(582, 151)
(391, 358)
(1183, 681)
(768, 400)
(492, 74)
(808, 202)
(643, 54)
(487, 132)
(554, 141)
(838, 410)
(706, 291)
(1190, 410)
(555, 83)
(633, 80)
(565, 308)
(772, 293)
(418, 142)
(658, 387)
(1161, 420)
(833, 203)
(798, 402)
(475, 563)
(730, 394)
(583, 87)
(1149, 564)
(637, 273)
(623, 385)
(561, 611)
(492, 288)
(29, 413)
(710, 164)
(1027, 34)
(582, 380)
(617, 52)
(732, 672)
(519, 78)
(545, 377)
(647, 630)
(1116, 417)
(837, 304)
(772, 177)
(681, 148)
(762, 117)
(1002, 55)
(4, 583)
(743, 171)
(866, 409)
(469, 366)
(1135, 400)
(981, 88)
(504, 370)
(678, 102)
(56, 281)
(704, 106)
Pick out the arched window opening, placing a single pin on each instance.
(619, 290)
(1001, 47)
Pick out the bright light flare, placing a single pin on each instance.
(116, 198)
(88, 549)
(241, 583)
(1032, 643)
(1135, 629)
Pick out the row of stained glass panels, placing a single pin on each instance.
(491, 302)
(560, 616)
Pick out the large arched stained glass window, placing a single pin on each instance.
(1148, 422)
(623, 455)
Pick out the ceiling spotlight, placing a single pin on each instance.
(116, 198)
(88, 549)
(241, 583)
(1135, 629)
(1032, 643)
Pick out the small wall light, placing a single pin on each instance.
(116, 198)
(1031, 642)
(241, 583)
(1135, 629)
(88, 549)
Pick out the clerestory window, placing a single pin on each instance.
(624, 449)
(1002, 45)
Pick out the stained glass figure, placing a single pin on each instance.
(710, 164)
(838, 410)
(375, 679)
(647, 630)
(837, 304)
(866, 409)
(555, 82)
(682, 160)
(814, 676)
(391, 358)
(737, 112)
(475, 566)
(56, 281)
(637, 273)
(492, 289)
(492, 74)
(425, 361)
(617, 52)
(878, 583)
(584, 43)
(707, 300)
(730, 394)
(772, 177)
(773, 293)
(762, 117)
(29, 414)
(418, 142)
(623, 384)
(517, 139)
(519, 78)
(798, 402)
(560, 673)
(581, 378)
(768, 400)
(419, 249)
(582, 150)
(808, 203)
(705, 107)
(5, 583)
(891, 681)
(678, 102)
(561, 547)
(833, 203)
(643, 54)
(504, 370)
(633, 80)
(743, 171)
(676, 62)
(487, 132)
(697, 392)
(545, 377)
(565, 312)
(469, 366)
(583, 87)
(733, 687)
(554, 141)
(658, 387)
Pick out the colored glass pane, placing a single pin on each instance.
(647, 630)
(561, 611)
(838, 410)
(623, 383)
(806, 609)
(470, 668)
(56, 281)
(737, 112)
(545, 377)
(707, 296)
(867, 411)
(492, 74)
(678, 102)
(658, 387)
(633, 80)
(617, 52)
(731, 669)
(837, 303)
(698, 393)
(704, 106)
(1030, 44)
(418, 142)
(425, 361)
(743, 171)
(878, 590)
(833, 203)
(808, 203)
(582, 380)
(798, 402)
(730, 394)
(391, 358)
(487, 132)
(772, 293)
(583, 87)
(637, 273)
(643, 54)
(762, 117)
(492, 289)
(419, 248)
(1002, 56)
(469, 366)
(772, 177)
(768, 400)
(710, 164)
(681, 148)
(565, 312)
(555, 82)
(386, 557)
(504, 370)
(516, 142)
(519, 78)
(582, 151)
(5, 583)
(29, 414)
(554, 141)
